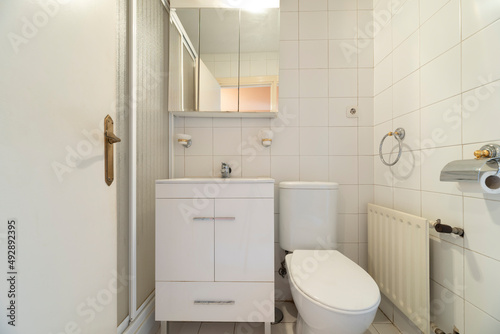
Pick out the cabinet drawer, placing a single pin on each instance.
(214, 301)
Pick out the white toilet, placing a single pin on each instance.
(333, 294)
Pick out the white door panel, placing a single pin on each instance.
(244, 246)
(58, 83)
(184, 241)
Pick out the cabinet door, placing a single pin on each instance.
(244, 240)
(184, 240)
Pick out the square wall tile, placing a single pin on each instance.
(383, 109)
(480, 58)
(405, 58)
(227, 141)
(257, 166)
(289, 26)
(313, 54)
(285, 168)
(429, 8)
(344, 169)
(481, 216)
(365, 141)
(383, 75)
(365, 52)
(289, 83)
(313, 83)
(286, 141)
(314, 168)
(406, 173)
(447, 265)
(478, 14)
(289, 5)
(343, 53)
(447, 308)
(364, 4)
(288, 114)
(407, 201)
(343, 83)
(198, 166)
(366, 173)
(442, 123)
(313, 141)
(313, 5)
(482, 274)
(365, 82)
(313, 25)
(342, 24)
(343, 141)
(366, 111)
(348, 198)
(313, 111)
(440, 79)
(338, 112)
(406, 96)
(383, 44)
(479, 108)
(365, 24)
(202, 141)
(347, 229)
(366, 195)
(440, 32)
(384, 197)
(289, 55)
(405, 22)
(342, 5)
(480, 322)
(433, 161)
(250, 144)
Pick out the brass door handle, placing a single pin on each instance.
(109, 140)
(111, 137)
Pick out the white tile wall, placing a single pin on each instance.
(319, 59)
(439, 80)
(436, 74)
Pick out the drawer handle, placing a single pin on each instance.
(202, 218)
(214, 302)
(225, 218)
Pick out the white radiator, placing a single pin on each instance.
(398, 260)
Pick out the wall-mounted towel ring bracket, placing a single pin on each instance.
(442, 228)
(399, 134)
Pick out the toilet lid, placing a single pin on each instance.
(333, 280)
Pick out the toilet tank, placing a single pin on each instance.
(308, 215)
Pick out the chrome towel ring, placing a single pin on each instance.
(399, 134)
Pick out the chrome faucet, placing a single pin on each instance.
(225, 170)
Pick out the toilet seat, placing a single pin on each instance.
(331, 279)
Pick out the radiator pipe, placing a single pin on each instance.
(435, 329)
(442, 228)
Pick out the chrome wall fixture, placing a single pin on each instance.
(487, 161)
(399, 134)
(184, 140)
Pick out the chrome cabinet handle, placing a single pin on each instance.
(203, 218)
(214, 302)
(225, 218)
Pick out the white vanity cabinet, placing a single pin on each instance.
(215, 250)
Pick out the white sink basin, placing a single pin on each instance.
(216, 180)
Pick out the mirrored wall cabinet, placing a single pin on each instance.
(224, 59)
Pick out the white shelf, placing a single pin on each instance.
(224, 114)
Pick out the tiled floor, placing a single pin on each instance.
(381, 325)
